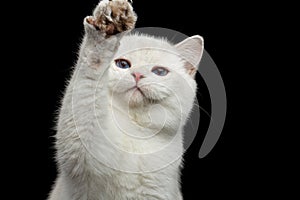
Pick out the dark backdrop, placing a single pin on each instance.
(50, 42)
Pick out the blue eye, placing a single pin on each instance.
(160, 71)
(123, 64)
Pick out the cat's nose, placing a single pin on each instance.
(137, 76)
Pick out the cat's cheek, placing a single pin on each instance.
(117, 81)
(113, 72)
(115, 75)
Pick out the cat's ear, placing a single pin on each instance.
(191, 50)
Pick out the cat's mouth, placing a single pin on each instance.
(136, 89)
(139, 94)
(142, 94)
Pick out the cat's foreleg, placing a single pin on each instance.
(103, 31)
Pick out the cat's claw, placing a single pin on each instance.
(113, 16)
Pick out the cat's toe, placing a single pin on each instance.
(113, 16)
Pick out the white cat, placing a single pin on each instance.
(119, 133)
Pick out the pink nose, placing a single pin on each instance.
(137, 76)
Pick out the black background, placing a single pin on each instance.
(50, 41)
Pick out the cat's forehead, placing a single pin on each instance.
(147, 49)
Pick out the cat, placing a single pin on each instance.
(119, 130)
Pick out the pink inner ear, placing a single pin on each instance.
(190, 69)
(191, 49)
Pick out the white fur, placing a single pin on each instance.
(111, 143)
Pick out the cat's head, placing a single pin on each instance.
(149, 70)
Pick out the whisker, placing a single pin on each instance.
(202, 109)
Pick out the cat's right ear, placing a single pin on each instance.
(191, 50)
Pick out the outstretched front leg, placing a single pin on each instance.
(75, 128)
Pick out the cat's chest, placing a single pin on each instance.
(133, 133)
(122, 185)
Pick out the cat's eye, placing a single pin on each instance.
(123, 64)
(160, 71)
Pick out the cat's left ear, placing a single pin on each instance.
(191, 50)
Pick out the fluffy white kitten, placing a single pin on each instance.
(119, 133)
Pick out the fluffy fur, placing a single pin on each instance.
(115, 142)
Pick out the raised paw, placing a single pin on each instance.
(113, 16)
